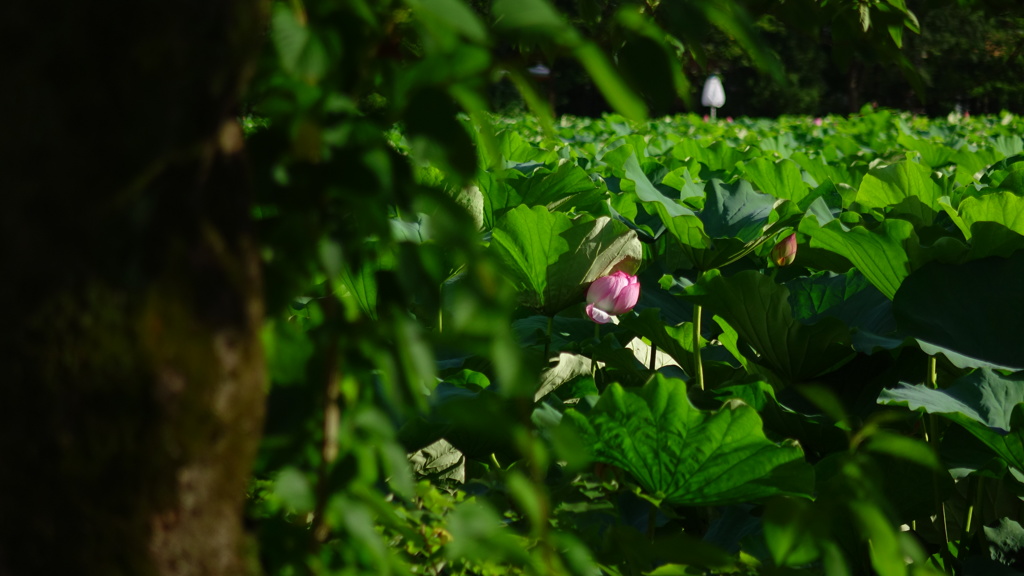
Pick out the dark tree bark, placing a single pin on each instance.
(131, 375)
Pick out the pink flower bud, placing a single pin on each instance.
(612, 295)
(817, 122)
(784, 252)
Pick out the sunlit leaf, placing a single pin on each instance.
(685, 456)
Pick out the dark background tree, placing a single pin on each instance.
(133, 379)
(967, 54)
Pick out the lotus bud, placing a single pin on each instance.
(612, 295)
(784, 252)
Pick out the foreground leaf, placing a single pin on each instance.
(682, 455)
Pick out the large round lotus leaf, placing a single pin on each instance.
(984, 402)
(552, 258)
(761, 312)
(975, 309)
(683, 455)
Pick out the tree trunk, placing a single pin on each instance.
(131, 374)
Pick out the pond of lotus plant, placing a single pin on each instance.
(778, 347)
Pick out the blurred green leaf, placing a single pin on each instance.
(790, 531)
(479, 535)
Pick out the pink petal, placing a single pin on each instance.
(627, 298)
(598, 315)
(603, 290)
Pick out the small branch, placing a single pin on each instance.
(331, 423)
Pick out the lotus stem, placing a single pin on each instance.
(698, 367)
(932, 437)
(654, 356)
(972, 501)
(939, 504)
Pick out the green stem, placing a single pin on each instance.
(972, 500)
(593, 353)
(932, 437)
(698, 367)
(939, 504)
(654, 356)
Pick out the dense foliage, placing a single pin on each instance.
(441, 402)
(956, 54)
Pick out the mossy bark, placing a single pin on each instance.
(131, 374)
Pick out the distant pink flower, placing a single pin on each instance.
(706, 117)
(817, 121)
(784, 252)
(612, 295)
(728, 119)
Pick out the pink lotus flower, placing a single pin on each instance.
(817, 122)
(784, 252)
(612, 295)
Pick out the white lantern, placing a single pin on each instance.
(713, 94)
